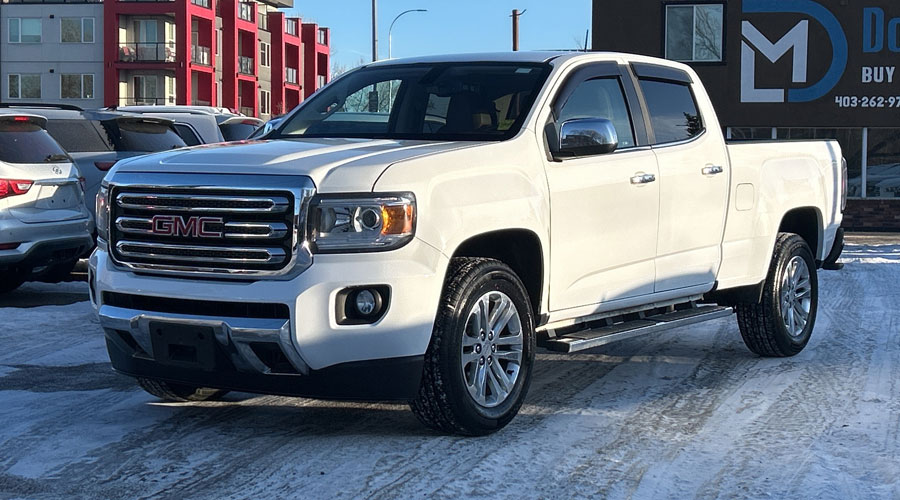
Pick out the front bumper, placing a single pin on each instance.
(44, 243)
(318, 357)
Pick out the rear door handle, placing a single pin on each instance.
(712, 170)
(643, 179)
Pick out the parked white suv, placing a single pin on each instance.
(415, 229)
(44, 224)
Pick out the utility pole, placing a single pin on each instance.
(515, 27)
(374, 30)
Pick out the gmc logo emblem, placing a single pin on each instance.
(192, 227)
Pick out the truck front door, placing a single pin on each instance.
(603, 222)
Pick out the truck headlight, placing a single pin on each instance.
(102, 210)
(350, 223)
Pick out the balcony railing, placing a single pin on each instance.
(201, 55)
(201, 3)
(147, 52)
(246, 66)
(290, 75)
(290, 26)
(245, 11)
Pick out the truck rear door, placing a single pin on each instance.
(693, 177)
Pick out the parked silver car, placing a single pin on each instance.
(44, 225)
(233, 126)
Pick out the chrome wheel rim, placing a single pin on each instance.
(796, 296)
(491, 353)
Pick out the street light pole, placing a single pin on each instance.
(392, 26)
(374, 30)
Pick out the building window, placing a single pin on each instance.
(24, 86)
(76, 86)
(290, 26)
(245, 11)
(263, 21)
(201, 3)
(265, 54)
(322, 81)
(265, 102)
(76, 30)
(694, 32)
(323, 39)
(673, 111)
(24, 30)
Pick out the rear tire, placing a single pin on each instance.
(179, 393)
(478, 365)
(780, 324)
(12, 279)
(58, 272)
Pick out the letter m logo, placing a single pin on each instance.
(797, 39)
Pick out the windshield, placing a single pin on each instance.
(28, 143)
(448, 101)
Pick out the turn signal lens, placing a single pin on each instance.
(398, 219)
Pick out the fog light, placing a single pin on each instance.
(365, 302)
(362, 305)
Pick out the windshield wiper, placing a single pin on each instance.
(55, 158)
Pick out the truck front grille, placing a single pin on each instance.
(225, 231)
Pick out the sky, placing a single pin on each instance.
(449, 26)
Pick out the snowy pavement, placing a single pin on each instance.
(685, 414)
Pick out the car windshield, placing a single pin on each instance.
(28, 143)
(447, 101)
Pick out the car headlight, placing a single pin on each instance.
(102, 213)
(349, 223)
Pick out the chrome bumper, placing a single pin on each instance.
(237, 332)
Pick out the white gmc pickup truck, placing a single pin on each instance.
(417, 228)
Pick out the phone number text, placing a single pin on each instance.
(878, 101)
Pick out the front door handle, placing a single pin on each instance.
(712, 170)
(643, 179)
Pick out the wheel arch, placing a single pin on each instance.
(806, 222)
(520, 249)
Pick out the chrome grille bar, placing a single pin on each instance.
(233, 230)
(202, 203)
(200, 254)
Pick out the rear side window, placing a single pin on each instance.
(28, 143)
(238, 131)
(601, 98)
(79, 136)
(187, 134)
(142, 136)
(673, 110)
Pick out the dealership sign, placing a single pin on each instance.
(815, 63)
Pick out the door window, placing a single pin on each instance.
(673, 110)
(601, 98)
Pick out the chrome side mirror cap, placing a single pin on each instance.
(587, 137)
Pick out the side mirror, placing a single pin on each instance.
(587, 137)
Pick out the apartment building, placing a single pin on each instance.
(52, 52)
(246, 55)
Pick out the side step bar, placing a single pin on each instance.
(595, 337)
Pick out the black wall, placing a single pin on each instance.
(637, 26)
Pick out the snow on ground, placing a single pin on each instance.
(685, 414)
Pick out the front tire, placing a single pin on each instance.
(12, 278)
(178, 393)
(479, 363)
(780, 324)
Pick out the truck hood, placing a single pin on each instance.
(361, 161)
